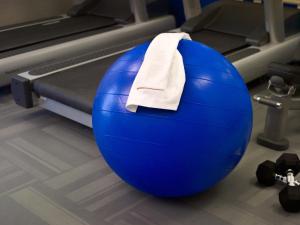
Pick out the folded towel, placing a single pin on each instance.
(161, 78)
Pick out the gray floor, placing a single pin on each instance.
(51, 173)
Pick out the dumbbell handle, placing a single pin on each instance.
(289, 179)
(267, 101)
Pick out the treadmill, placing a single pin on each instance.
(238, 29)
(68, 88)
(31, 43)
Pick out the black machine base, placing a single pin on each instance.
(275, 145)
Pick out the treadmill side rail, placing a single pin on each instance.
(21, 89)
(139, 9)
(67, 111)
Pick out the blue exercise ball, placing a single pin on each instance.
(175, 153)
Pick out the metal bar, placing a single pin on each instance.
(274, 18)
(139, 9)
(67, 111)
(267, 101)
(192, 8)
(280, 52)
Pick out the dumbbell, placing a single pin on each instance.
(285, 169)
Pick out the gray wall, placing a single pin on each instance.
(19, 11)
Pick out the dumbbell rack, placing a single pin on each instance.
(282, 87)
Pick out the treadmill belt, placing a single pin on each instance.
(223, 43)
(26, 36)
(45, 44)
(75, 87)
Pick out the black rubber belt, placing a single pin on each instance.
(26, 36)
(223, 43)
(75, 87)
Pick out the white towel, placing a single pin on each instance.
(161, 78)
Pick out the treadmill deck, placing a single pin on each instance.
(228, 44)
(78, 87)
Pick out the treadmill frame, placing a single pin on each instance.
(279, 48)
(66, 111)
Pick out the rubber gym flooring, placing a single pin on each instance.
(52, 173)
